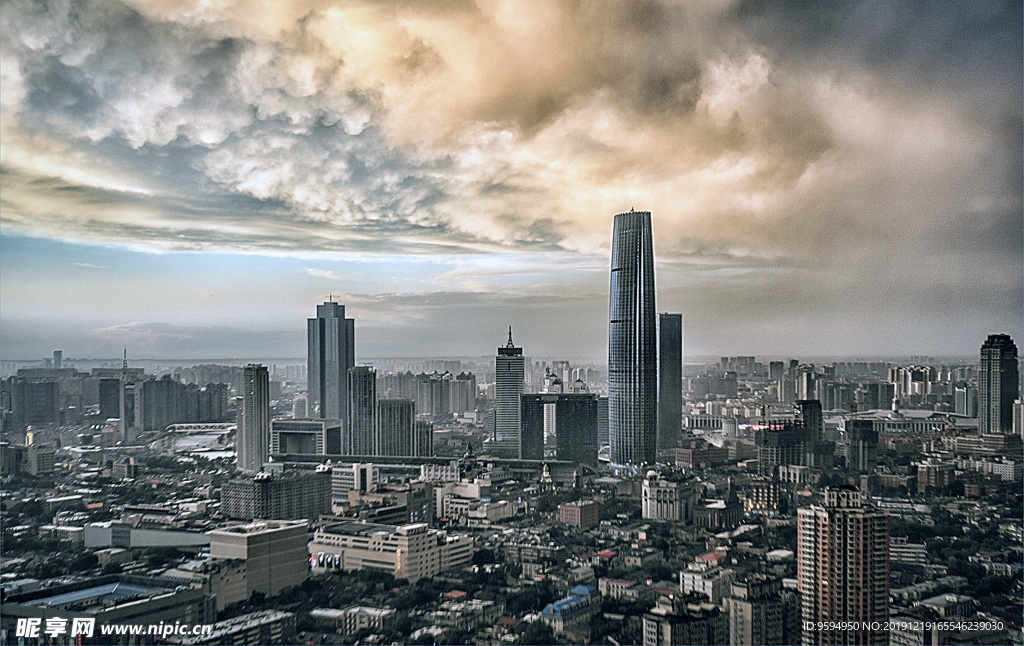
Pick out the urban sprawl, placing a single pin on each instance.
(512, 499)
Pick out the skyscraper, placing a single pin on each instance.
(396, 427)
(670, 379)
(574, 420)
(632, 343)
(358, 435)
(331, 341)
(998, 384)
(843, 569)
(508, 377)
(252, 437)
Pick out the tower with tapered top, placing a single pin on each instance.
(508, 386)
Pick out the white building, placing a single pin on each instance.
(713, 582)
(410, 551)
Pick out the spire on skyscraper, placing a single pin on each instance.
(510, 344)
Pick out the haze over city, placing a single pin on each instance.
(190, 179)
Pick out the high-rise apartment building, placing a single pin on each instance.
(290, 495)
(252, 437)
(331, 341)
(670, 379)
(632, 343)
(509, 371)
(843, 569)
(998, 384)
(761, 612)
(358, 438)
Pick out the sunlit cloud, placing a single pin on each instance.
(487, 146)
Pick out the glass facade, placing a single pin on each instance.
(632, 343)
(331, 340)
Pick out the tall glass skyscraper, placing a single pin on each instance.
(252, 438)
(670, 380)
(998, 384)
(509, 370)
(358, 436)
(632, 343)
(331, 340)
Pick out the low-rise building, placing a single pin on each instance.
(685, 620)
(625, 589)
(581, 513)
(468, 615)
(252, 629)
(903, 551)
(573, 613)
(408, 551)
(222, 579)
(355, 618)
(113, 599)
(712, 582)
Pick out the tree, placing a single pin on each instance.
(537, 633)
(83, 562)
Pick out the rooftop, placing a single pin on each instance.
(107, 592)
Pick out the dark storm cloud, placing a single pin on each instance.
(870, 151)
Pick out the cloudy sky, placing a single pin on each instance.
(189, 178)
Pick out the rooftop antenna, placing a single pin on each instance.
(510, 344)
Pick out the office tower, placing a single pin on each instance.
(811, 416)
(670, 379)
(108, 398)
(781, 444)
(861, 445)
(396, 427)
(574, 419)
(252, 437)
(761, 612)
(632, 343)
(58, 359)
(299, 407)
(509, 371)
(965, 400)
(331, 340)
(843, 569)
(423, 439)
(602, 421)
(998, 384)
(776, 370)
(1018, 418)
(127, 430)
(357, 436)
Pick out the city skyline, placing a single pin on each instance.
(834, 181)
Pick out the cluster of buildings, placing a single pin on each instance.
(759, 511)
